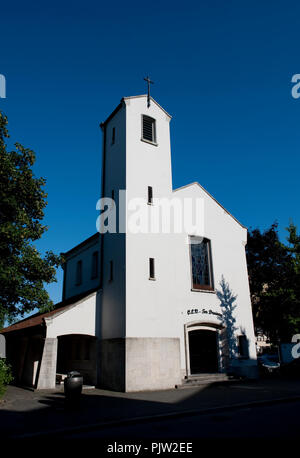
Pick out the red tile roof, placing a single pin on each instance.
(33, 320)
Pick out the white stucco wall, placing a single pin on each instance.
(79, 318)
(228, 240)
(133, 305)
(148, 302)
(113, 298)
(159, 308)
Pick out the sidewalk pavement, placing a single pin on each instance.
(25, 412)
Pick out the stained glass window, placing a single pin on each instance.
(201, 263)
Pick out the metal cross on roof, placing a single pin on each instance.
(149, 82)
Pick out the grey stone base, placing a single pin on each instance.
(47, 375)
(111, 364)
(138, 364)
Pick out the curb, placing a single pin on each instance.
(195, 384)
(149, 418)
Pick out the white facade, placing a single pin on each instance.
(138, 308)
(153, 332)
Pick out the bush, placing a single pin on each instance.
(5, 376)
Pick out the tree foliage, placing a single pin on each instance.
(6, 376)
(23, 271)
(274, 276)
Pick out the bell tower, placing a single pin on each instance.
(136, 271)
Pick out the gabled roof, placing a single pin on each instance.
(212, 197)
(152, 99)
(82, 244)
(128, 98)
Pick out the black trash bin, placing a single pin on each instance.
(73, 385)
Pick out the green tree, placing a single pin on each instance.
(273, 269)
(293, 249)
(6, 376)
(23, 271)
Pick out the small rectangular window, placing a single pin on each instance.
(150, 195)
(111, 270)
(151, 269)
(78, 273)
(148, 129)
(94, 265)
(113, 136)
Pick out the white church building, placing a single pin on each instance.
(141, 309)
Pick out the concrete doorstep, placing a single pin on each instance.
(206, 379)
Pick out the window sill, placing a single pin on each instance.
(211, 291)
(148, 141)
(152, 279)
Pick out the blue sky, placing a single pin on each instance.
(222, 69)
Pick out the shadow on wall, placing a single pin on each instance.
(237, 345)
(228, 306)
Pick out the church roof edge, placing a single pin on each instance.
(81, 244)
(151, 98)
(212, 197)
(118, 107)
(37, 319)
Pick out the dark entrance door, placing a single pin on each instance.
(203, 351)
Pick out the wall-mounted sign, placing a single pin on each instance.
(204, 312)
